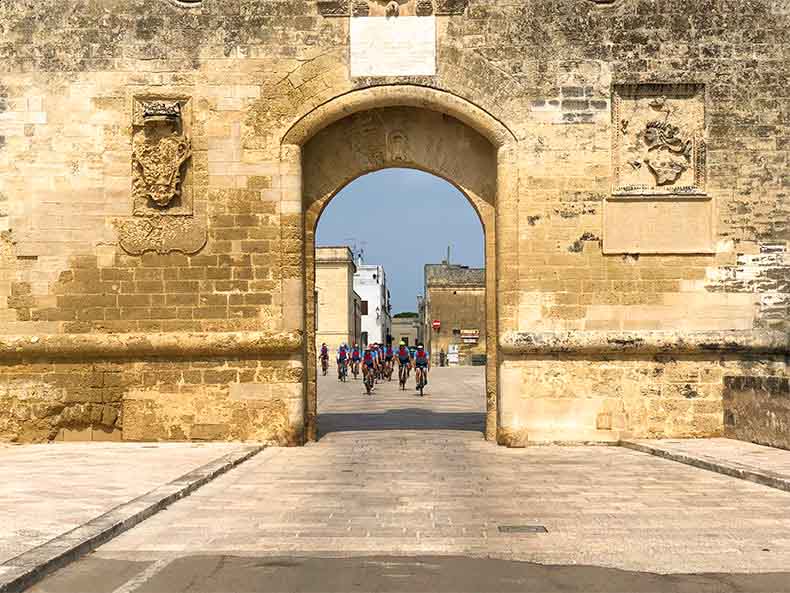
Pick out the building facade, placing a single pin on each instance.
(455, 314)
(338, 308)
(370, 283)
(163, 169)
(405, 329)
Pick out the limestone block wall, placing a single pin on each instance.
(160, 182)
(459, 308)
(757, 409)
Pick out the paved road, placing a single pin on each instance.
(47, 490)
(371, 507)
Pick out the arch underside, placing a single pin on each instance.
(405, 137)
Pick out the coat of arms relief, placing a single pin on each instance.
(160, 151)
(659, 139)
(164, 216)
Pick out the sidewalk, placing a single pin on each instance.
(764, 465)
(50, 490)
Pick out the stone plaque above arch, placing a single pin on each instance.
(392, 37)
(395, 46)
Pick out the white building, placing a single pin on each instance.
(370, 283)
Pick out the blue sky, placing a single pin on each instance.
(404, 219)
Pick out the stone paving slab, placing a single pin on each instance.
(397, 474)
(402, 476)
(764, 465)
(48, 490)
(29, 567)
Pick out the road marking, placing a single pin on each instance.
(141, 579)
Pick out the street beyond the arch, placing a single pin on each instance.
(402, 493)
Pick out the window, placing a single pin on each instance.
(456, 332)
(364, 307)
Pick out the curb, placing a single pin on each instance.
(21, 572)
(750, 474)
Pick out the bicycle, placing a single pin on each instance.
(355, 369)
(403, 375)
(388, 371)
(368, 381)
(324, 365)
(421, 380)
(342, 372)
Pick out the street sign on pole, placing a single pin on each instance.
(437, 324)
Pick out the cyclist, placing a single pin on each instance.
(403, 354)
(388, 356)
(323, 356)
(356, 357)
(369, 362)
(422, 364)
(342, 361)
(374, 352)
(404, 362)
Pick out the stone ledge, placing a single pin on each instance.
(647, 342)
(726, 467)
(174, 345)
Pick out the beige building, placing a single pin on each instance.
(338, 307)
(455, 313)
(405, 329)
(163, 170)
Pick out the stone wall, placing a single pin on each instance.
(456, 297)
(757, 409)
(163, 165)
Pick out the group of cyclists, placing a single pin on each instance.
(377, 362)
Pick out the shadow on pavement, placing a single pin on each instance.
(400, 419)
(438, 574)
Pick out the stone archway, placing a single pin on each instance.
(409, 128)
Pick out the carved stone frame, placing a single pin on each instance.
(180, 228)
(346, 8)
(185, 203)
(699, 149)
(660, 219)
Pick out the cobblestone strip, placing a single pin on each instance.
(727, 468)
(22, 571)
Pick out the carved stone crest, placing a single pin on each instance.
(164, 217)
(159, 151)
(398, 146)
(158, 168)
(659, 142)
(668, 153)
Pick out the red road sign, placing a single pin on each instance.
(437, 324)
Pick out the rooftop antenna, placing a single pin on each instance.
(448, 256)
(357, 249)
